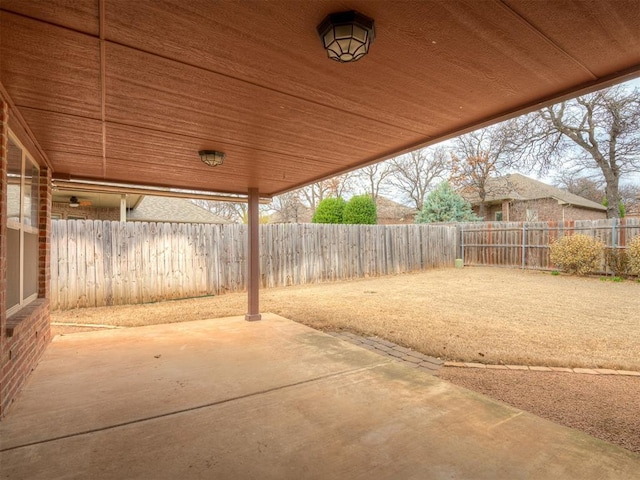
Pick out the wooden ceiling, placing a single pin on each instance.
(129, 91)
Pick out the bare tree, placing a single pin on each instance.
(333, 187)
(585, 187)
(630, 195)
(598, 132)
(289, 207)
(593, 188)
(374, 179)
(481, 155)
(233, 211)
(415, 173)
(341, 185)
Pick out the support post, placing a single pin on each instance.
(524, 245)
(123, 208)
(253, 265)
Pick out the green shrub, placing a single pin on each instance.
(361, 209)
(633, 255)
(617, 261)
(577, 254)
(329, 211)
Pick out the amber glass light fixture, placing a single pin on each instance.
(346, 36)
(213, 158)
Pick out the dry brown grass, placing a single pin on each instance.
(475, 314)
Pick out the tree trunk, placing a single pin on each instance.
(482, 210)
(613, 196)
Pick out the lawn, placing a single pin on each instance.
(487, 315)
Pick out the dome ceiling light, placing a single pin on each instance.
(346, 36)
(213, 158)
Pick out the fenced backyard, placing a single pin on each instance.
(526, 244)
(100, 263)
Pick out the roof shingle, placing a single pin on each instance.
(516, 186)
(169, 209)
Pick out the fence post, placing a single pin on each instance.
(524, 244)
(462, 242)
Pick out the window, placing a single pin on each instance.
(499, 216)
(532, 215)
(22, 227)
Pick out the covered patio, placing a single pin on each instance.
(122, 96)
(225, 398)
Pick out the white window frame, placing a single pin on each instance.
(20, 224)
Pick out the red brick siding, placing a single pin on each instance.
(89, 213)
(25, 339)
(44, 227)
(548, 209)
(25, 335)
(4, 117)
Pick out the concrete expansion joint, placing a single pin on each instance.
(533, 368)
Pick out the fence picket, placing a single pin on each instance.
(500, 244)
(95, 263)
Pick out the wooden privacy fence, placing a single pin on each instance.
(96, 263)
(526, 244)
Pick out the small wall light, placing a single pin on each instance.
(213, 158)
(346, 36)
(73, 202)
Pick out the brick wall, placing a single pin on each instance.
(547, 209)
(44, 228)
(4, 116)
(25, 335)
(88, 213)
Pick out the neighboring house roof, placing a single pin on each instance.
(168, 209)
(520, 187)
(390, 209)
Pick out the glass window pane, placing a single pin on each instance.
(30, 268)
(14, 175)
(31, 192)
(13, 267)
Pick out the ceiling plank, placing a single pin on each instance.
(49, 68)
(251, 79)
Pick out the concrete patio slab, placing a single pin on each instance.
(273, 399)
